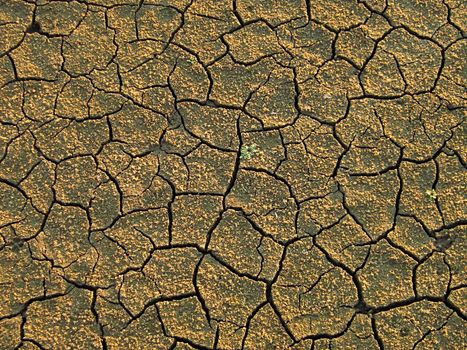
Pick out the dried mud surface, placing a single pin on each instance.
(233, 174)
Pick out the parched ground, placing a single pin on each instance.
(233, 174)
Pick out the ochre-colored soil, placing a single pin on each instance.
(233, 174)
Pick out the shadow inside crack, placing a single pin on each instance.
(35, 27)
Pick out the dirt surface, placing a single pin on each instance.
(233, 174)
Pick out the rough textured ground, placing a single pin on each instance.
(233, 174)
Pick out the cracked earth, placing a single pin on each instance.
(233, 174)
